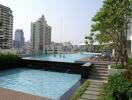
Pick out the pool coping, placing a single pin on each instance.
(9, 94)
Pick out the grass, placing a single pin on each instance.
(130, 61)
(118, 66)
(81, 90)
(102, 94)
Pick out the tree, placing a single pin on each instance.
(104, 41)
(113, 19)
(89, 40)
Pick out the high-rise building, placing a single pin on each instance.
(19, 38)
(40, 36)
(6, 27)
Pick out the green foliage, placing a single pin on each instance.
(128, 73)
(90, 39)
(103, 92)
(117, 88)
(112, 20)
(81, 90)
(103, 38)
(118, 66)
(8, 58)
(130, 61)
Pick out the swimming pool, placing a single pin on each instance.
(60, 58)
(38, 82)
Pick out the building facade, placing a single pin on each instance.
(40, 36)
(19, 38)
(6, 27)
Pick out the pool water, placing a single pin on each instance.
(60, 58)
(38, 82)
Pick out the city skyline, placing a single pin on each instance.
(70, 20)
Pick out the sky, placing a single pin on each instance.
(70, 19)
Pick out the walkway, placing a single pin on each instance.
(93, 91)
(98, 76)
(7, 94)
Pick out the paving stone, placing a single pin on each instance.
(89, 97)
(93, 89)
(97, 77)
(92, 92)
(97, 83)
(83, 99)
(95, 86)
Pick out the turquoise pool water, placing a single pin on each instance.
(38, 82)
(61, 58)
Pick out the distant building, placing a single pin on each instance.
(40, 36)
(27, 48)
(54, 48)
(6, 27)
(61, 48)
(19, 38)
(68, 47)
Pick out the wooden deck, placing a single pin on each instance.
(8, 94)
(94, 61)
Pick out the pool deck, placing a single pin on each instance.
(94, 61)
(8, 94)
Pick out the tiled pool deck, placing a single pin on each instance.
(94, 61)
(7, 94)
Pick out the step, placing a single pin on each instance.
(97, 78)
(99, 74)
(101, 81)
(101, 64)
(102, 68)
(99, 71)
(89, 97)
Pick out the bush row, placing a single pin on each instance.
(117, 88)
(7, 58)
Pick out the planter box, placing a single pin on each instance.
(113, 71)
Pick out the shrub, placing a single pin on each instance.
(117, 88)
(80, 90)
(130, 61)
(128, 73)
(8, 58)
(118, 66)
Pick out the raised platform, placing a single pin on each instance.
(65, 67)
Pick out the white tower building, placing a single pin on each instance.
(40, 36)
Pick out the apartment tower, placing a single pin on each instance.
(40, 36)
(19, 38)
(6, 27)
